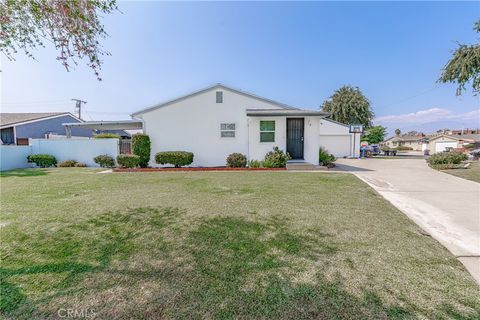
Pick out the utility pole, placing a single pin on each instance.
(78, 107)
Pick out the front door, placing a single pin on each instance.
(295, 137)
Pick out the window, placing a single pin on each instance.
(219, 96)
(267, 131)
(227, 130)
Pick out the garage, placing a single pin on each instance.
(338, 145)
(441, 146)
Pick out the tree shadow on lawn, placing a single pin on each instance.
(24, 173)
(243, 269)
(112, 237)
(239, 269)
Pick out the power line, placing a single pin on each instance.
(100, 112)
(53, 102)
(409, 98)
(78, 107)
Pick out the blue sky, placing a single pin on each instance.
(296, 53)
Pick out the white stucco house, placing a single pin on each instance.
(219, 120)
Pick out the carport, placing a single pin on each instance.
(105, 125)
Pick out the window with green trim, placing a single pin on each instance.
(267, 131)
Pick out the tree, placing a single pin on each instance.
(348, 105)
(398, 132)
(464, 66)
(72, 26)
(375, 134)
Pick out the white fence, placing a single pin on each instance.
(81, 150)
(13, 157)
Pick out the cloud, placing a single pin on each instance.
(429, 116)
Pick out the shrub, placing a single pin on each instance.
(42, 160)
(67, 163)
(236, 160)
(177, 158)
(128, 160)
(276, 159)
(444, 166)
(444, 158)
(105, 161)
(324, 158)
(80, 165)
(141, 147)
(403, 148)
(469, 146)
(255, 164)
(106, 135)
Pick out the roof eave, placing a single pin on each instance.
(218, 85)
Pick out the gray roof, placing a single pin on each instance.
(8, 119)
(405, 138)
(218, 85)
(284, 112)
(470, 136)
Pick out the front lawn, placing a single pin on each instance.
(471, 173)
(218, 245)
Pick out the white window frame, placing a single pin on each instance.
(267, 131)
(224, 127)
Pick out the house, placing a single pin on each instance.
(444, 142)
(460, 132)
(219, 120)
(412, 141)
(17, 128)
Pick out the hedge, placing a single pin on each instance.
(255, 164)
(403, 148)
(107, 135)
(128, 160)
(325, 158)
(105, 161)
(176, 158)
(276, 159)
(67, 163)
(141, 147)
(42, 160)
(446, 158)
(236, 160)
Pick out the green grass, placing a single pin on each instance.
(472, 173)
(218, 245)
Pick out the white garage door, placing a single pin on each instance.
(443, 145)
(339, 146)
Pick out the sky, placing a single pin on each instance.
(297, 53)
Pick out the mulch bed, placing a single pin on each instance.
(171, 169)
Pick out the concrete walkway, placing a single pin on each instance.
(446, 207)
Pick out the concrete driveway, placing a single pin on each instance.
(446, 207)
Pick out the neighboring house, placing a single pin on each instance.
(461, 132)
(414, 142)
(17, 128)
(445, 142)
(217, 121)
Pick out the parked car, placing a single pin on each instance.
(475, 154)
(374, 149)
